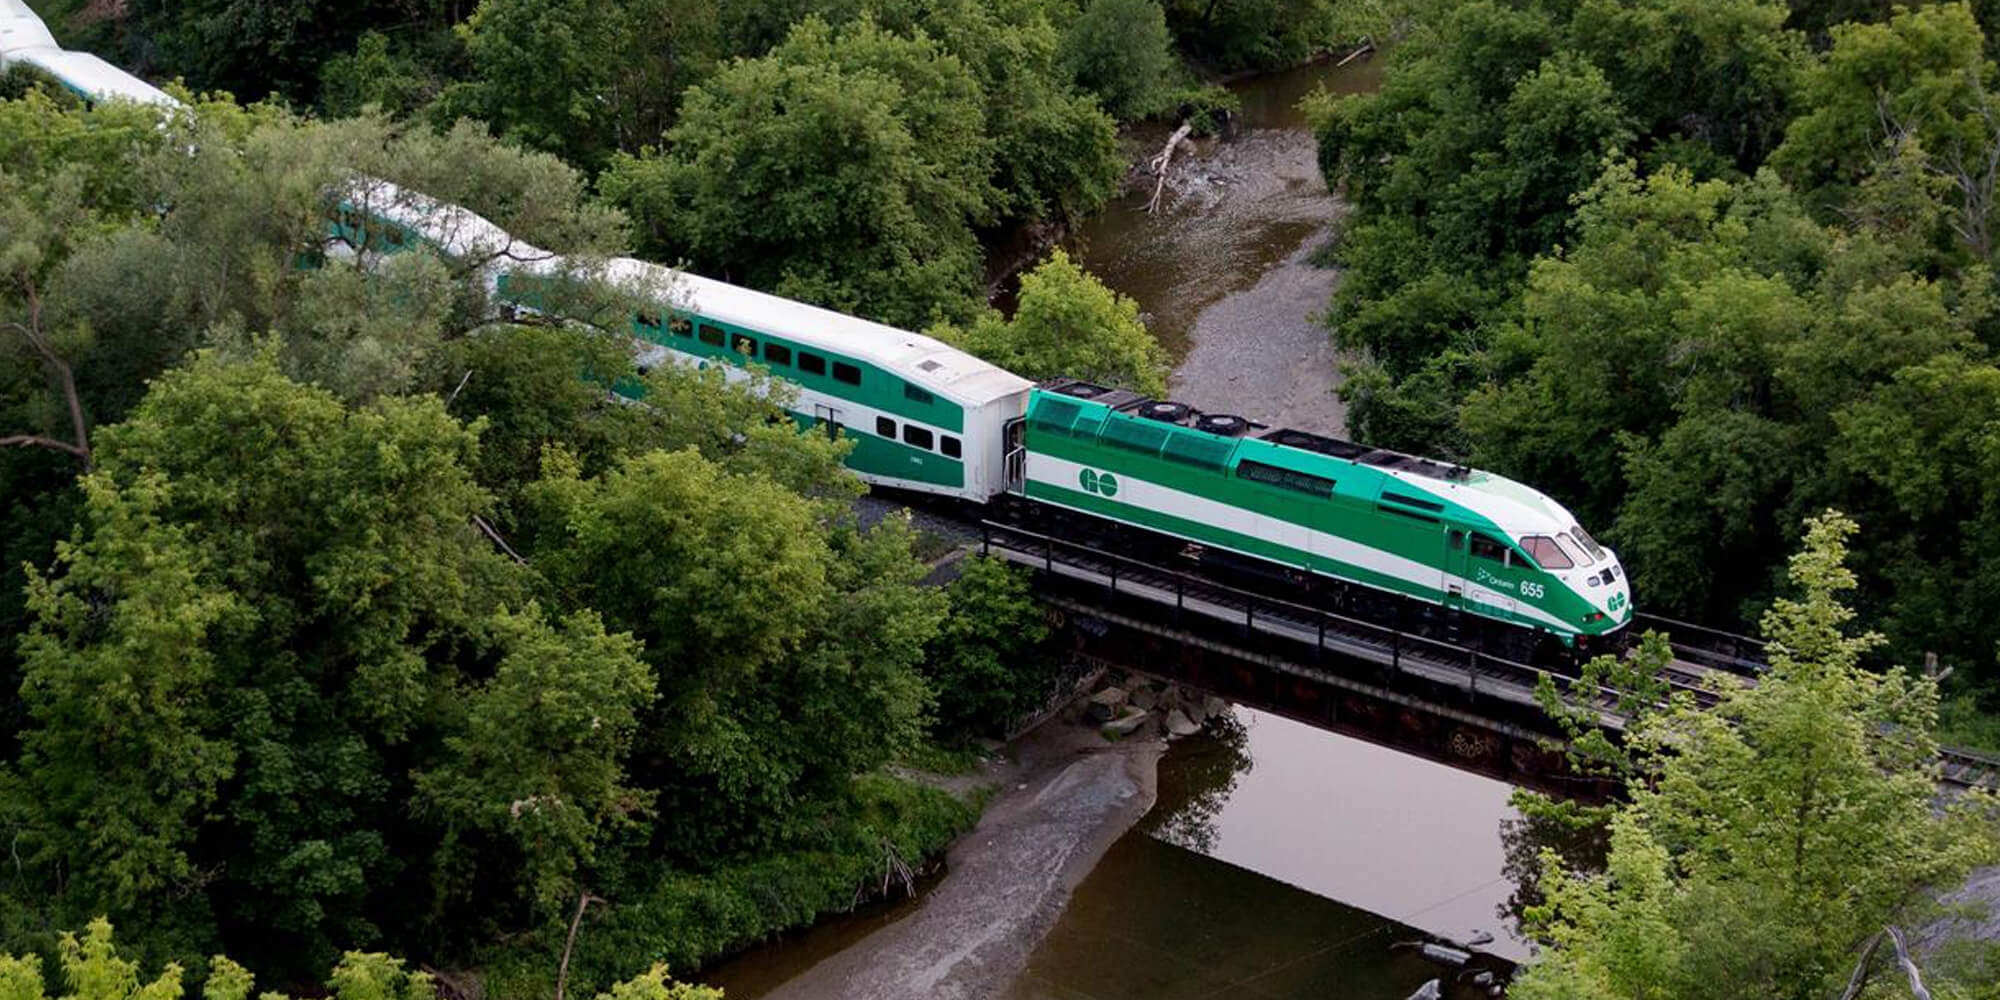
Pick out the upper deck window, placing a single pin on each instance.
(777, 354)
(1545, 552)
(844, 372)
(916, 395)
(811, 364)
(709, 335)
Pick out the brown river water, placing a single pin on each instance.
(1279, 861)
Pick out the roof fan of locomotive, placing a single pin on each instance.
(1225, 424)
(1164, 411)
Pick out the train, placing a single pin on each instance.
(1374, 527)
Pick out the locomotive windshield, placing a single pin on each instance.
(1545, 552)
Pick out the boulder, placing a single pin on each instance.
(1191, 707)
(1145, 697)
(1106, 704)
(1125, 724)
(1178, 724)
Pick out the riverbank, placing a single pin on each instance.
(1066, 794)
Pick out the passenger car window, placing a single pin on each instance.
(948, 445)
(884, 427)
(843, 372)
(777, 354)
(709, 335)
(811, 363)
(916, 437)
(1545, 552)
(746, 347)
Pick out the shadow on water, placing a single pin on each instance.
(1229, 887)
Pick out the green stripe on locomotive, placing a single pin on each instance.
(1125, 450)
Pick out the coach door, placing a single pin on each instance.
(1017, 456)
(827, 417)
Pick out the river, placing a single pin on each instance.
(1278, 860)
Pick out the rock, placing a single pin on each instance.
(1145, 697)
(1444, 955)
(1214, 707)
(1478, 938)
(1105, 704)
(1192, 708)
(1179, 724)
(1428, 991)
(1125, 724)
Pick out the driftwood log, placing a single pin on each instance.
(1160, 163)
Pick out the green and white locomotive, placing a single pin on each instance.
(1378, 527)
(1409, 527)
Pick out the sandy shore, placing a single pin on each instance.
(1066, 797)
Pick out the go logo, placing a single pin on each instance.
(1103, 484)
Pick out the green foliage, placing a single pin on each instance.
(846, 168)
(259, 47)
(94, 971)
(785, 652)
(1770, 836)
(1067, 323)
(686, 919)
(985, 663)
(585, 77)
(374, 76)
(1237, 35)
(1121, 50)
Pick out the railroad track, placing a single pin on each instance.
(1699, 652)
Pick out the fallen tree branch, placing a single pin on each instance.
(1163, 160)
(1367, 47)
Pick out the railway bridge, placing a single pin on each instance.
(1391, 685)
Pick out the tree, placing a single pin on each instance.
(1067, 323)
(982, 664)
(263, 47)
(1055, 152)
(846, 168)
(1769, 836)
(785, 644)
(1120, 50)
(95, 971)
(585, 78)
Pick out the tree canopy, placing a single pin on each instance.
(1770, 836)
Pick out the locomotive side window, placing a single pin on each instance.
(1487, 548)
(1054, 416)
(1455, 538)
(811, 364)
(844, 372)
(1545, 552)
(1271, 475)
(916, 437)
(777, 354)
(949, 445)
